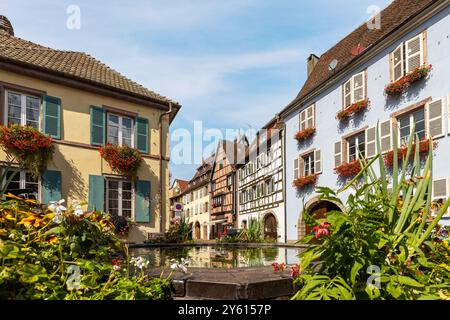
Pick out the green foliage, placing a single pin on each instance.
(180, 231)
(382, 246)
(66, 255)
(253, 233)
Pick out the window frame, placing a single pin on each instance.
(23, 107)
(404, 60)
(307, 118)
(120, 190)
(120, 128)
(410, 115)
(22, 180)
(312, 164)
(351, 82)
(356, 136)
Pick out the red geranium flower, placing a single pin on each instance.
(321, 230)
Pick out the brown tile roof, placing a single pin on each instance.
(391, 17)
(78, 65)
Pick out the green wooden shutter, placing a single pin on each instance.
(142, 201)
(96, 193)
(98, 123)
(51, 186)
(52, 117)
(142, 135)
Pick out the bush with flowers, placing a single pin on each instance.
(398, 87)
(31, 148)
(122, 159)
(424, 146)
(305, 134)
(352, 109)
(61, 253)
(305, 181)
(387, 244)
(348, 169)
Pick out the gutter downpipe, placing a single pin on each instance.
(283, 147)
(161, 173)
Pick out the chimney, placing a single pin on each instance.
(311, 62)
(5, 26)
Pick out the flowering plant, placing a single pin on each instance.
(348, 169)
(305, 181)
(302, 135)
(278, 266)
(122, 159)
(352, 109)
(424, 147)
(295, 269)
(31, 148)
(321, 230)
(397, 87)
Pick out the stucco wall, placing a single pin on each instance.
(76, 163)
(329, 102)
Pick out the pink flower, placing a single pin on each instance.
(295, 271)
(321, 230)
(275, 266)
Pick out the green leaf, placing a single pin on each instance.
(355, 269)
(409, 281)
(9, 251)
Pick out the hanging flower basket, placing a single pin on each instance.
(304, 134)
(122, 159)
(352, 109)
(31, 148)
(424, 147)
(348, 169)
(398, 87)
(305, 181)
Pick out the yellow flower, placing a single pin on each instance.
(32, 220)
(52, 239)
(3, 232)
(12, 196)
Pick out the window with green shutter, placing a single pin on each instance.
(51, 186)
(96, 192)
(52, 117)
(142, 135)
(142, 211)
(97, 126)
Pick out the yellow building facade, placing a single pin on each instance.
(83, 105)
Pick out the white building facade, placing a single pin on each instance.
(357, 70)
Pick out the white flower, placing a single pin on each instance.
(117, 268)
(140, 262)
(24, 238)
(182, 265)
(12, 235)
(58, 219)
(78, 211)
(57, 206)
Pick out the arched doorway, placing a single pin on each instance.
(197, 231)
(318, 210)
(270, 226)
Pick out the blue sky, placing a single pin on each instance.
(231, 64)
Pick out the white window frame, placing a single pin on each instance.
(311, 157)
(119, 190)
(358, 151)
(404, 60)
(22, 180)
(353, 89)
(411, 123)
(303, 125)
(23, 108)
(420, 53)
(120, 128)
(401, 62)
(444, 198)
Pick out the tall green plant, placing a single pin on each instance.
(253, 232)
(383, 231)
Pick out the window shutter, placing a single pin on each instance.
(52, 117)
(142, 135)
(440, 189)
(358, 87)
(337, 153)
(98, 124)
(414, 53)
(301, 167)
(303, 120)
(348, 93)
(435, 116)
(51, 186)
(371, 145)
(96, 193)
(386, 136)
(296, 168)
(310, 116)
(142, 201)
(397, 63)
(317, 161)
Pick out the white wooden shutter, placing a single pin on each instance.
(441, 191)
(317, 161)
(348, 93)
(397, 63)
(386, 135)
(414, 53)
(310, 116)
(296, 168)
(302, 120)
(371, 142)
(435, 116)
(337, 153)
(358, 87)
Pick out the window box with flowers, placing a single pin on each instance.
(352, 109)
(303, 182)
(122, 159)
(305, 134)
(396, 88)
(424, 147)
(348, 169)
(31, 148)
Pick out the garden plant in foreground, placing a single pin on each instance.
(385, 245)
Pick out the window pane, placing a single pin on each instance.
(126, 142)
(15, 182)
(127, 123)
(126, 213)
(113, 120)
(113, 184)
(126, 186)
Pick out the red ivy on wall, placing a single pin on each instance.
(352, 109)
(348, 169)
(424, 147)
(399, 86)
(304, 134)
(305, 181)
(122, 159)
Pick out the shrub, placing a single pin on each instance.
(31, 148)
(122, 159)
(305, 181)
(304, 134)
(398, 87)
(352, 109)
